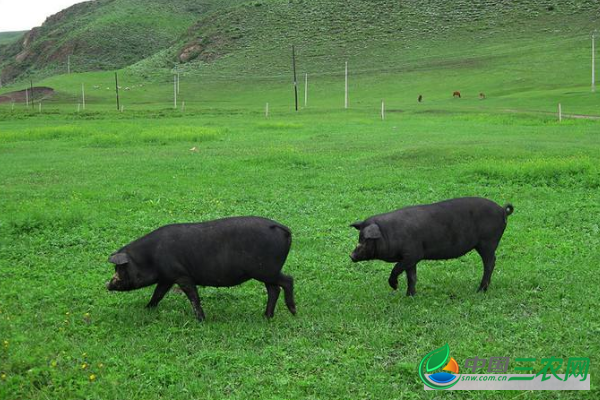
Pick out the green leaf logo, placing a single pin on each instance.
(438, 358)
(432, 361)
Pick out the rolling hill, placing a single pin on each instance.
(526, 55)
(257, 36)
(101, 34)
(9, 37)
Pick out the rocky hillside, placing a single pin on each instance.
(101, 34)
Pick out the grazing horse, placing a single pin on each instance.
(420, 99)
(456, 94)
(481, 96)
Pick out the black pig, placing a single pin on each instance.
(224, 252)
(439, 231)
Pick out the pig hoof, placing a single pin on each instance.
(269, 315)
(293, 310)
(411, 294)
(393, 284)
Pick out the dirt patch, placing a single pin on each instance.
(39, 93)
(206, 49)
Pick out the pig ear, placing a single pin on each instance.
(119, 259)
(357, 225)
(372, 232)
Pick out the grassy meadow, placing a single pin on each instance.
(75, 187)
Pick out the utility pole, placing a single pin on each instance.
(82, 96)
(346, 98)
(32, 96)
(295, 80)
(69, 64)
(594, 60)
(117, 91)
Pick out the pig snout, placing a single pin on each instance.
(355, 256)
(111, 285)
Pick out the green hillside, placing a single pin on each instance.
(525, 56)
(102, 34)
(9, 37)
(378, 34)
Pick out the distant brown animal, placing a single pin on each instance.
(456, 94)
(481, 96)
(420, 99)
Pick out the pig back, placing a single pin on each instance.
(444, 230)
(222, 252)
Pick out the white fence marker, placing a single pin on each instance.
(382, 110)
(305, 89)
(594, 61)
(346, 97)
(175, 91)
(267, 110)
(559, 113)
(82, 97)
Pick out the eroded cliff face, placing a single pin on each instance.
(46, 44)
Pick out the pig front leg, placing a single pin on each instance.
(393, 279)
(191, 292)
(411, 276)
(161, 289)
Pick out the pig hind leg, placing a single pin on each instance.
(287, 284)
(411, 280)
(161, 289)
(487, 252)
(191, 292)
(273, 294)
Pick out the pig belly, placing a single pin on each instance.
(221, 280)
(452, 246)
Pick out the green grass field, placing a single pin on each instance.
(77, 187)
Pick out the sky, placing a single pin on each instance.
(22, 15)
